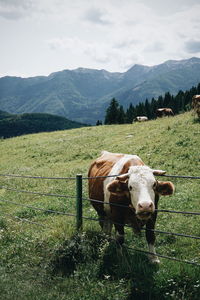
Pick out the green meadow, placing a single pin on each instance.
(41, 254)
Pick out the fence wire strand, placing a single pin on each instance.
(37, 193)
(23, 219)
(95, 177)
(165, 256)
(158, 210)
(153, 230)
(37, 177)
(38, 208)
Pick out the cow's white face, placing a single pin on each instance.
(141, 186)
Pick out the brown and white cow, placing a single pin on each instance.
(162, 112)
(134, 187)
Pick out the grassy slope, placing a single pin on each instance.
(27, 251)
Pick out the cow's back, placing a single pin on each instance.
(101, 167)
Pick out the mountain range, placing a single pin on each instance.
(83, 94)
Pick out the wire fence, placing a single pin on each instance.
(50, 211)
(96, 177)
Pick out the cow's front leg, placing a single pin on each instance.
(119, 231)
(107, 225)
(150, 237)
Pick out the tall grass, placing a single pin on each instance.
(49, 260)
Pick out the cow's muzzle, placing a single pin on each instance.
(145, 210)
(144, 215)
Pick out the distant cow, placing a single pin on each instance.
(162, 112)
(141, 119)
(130, 196)
(196, 104)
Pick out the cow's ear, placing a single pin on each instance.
(117, 187)
(165, 188)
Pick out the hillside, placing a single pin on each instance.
(41, 256)
(14, 125)
(84, 94)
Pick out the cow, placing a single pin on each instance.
(129, 195)
(162, 112)
(196, 104)
(141, 119)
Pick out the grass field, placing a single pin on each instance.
(47, 259)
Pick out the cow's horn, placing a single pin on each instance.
(159, 172)
(122, 177)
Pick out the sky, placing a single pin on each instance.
(39, 37)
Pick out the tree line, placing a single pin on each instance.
(116, 114)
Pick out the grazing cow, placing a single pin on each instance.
(196, 97)
(162, 112)
(130, 197)
(196, 104)
(141, 119)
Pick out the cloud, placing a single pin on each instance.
(156, 46)
(15, 9)
(96, 16)
(170, 7)
(108, 34)
(192, 46)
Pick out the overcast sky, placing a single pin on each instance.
(38, 37)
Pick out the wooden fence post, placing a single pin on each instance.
(79, 220)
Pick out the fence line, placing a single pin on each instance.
(38, 208)
(164, 256)
(23, 219)
(180, 176)
(37, 177)
(147, 252)
(162, 175)
(173, 233)
(79, 195)
(153, 230)
(158, 210)
(94, 219)
(74, 178)
(133, 249)
(37, 193)
(179, 212)
(93, 200)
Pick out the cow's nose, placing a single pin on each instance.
(145, 207)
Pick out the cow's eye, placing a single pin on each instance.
(130, 188)
(154, 185)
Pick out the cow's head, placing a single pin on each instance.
(141, 186)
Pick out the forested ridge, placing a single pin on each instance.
(18, 124)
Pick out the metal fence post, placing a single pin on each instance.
(79, 220)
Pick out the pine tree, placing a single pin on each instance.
(98, 123)
(130, 114)
(148, 112)
(154, 107)
(167, 100)
(121, 115)
(112, 113)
